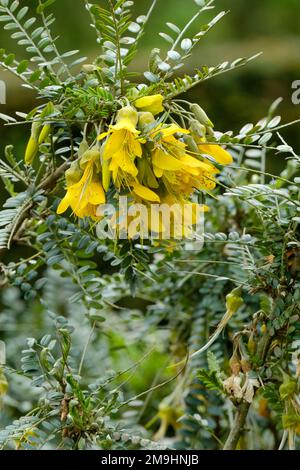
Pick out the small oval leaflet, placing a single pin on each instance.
(186, 44)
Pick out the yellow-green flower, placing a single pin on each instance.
(123, 146)
(152, 104)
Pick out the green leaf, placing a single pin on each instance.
(9, 59)
(22, 66)
(22, 13)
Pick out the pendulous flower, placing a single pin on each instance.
(84, 191)
(123, 146)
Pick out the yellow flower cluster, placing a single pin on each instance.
(146, 159)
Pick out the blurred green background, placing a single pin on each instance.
(269, 26)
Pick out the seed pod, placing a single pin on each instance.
(44, 133)
(264, 328)
(234, 363)
(245, 364)
(200, 115)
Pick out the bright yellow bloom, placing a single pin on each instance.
(84, 196)
(181, 173)
(167, 150)
(151, 104)
(123, 146)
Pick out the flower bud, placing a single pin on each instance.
(146, 118)
(31, 150)
(152, 104)
(200, 115)
(44, 133)
(35, 130)
(234, 300)
(33, 143)
(191, 144)
(198, 131)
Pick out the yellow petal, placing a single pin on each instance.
(125, 124)
(151, 104)
(96, 194)
(165, 161)
(145, 193)
(173, 129)
(64, 204)
(217, 152)
(113, 144)
(135, 146)
(192, 162)
(103, 135)
(158, 172)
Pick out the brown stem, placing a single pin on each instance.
(51, 180)
(47, 184)
(238, 426)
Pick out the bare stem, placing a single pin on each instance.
(238, 427)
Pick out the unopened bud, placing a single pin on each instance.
(200, 115)
(191, 144)
(31, 150)
(234, 300)
(146, 118)
(44, 133)
(198, 131)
